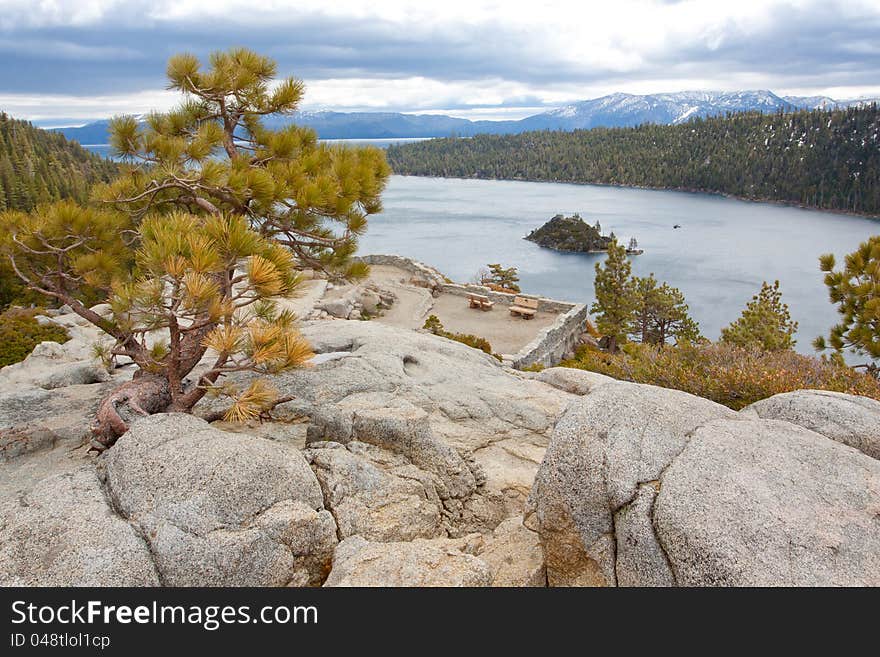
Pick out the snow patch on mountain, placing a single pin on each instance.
(611, 111)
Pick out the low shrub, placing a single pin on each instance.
(728, 374)
(435, 326)
(20, 333)
(474, 341)
(13, 291)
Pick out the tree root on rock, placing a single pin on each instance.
(143, 395)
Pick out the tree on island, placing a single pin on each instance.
(198, 249)
(764, 324)
(615, 296)
(855, 290)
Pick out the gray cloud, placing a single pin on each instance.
(821, 47)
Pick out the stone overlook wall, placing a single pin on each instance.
(549, 346)
(552, 343)
(419, 269)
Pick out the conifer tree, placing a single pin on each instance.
(37, 166)
(501, 278)
(818, 158)
(213, 154)
(765, 323)
(855, 289)
(615, 296)
(197, 285)
(660, 314)
(201, 237)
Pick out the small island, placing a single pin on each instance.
(573, 234)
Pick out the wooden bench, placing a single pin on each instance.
(480, 301)
(524, 307)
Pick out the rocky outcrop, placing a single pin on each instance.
(848, 419)
(474, 429)
(608, 443)
(338, 308)
(220, 509)
(406, 459)
(576, 382)
(400, 427)
(431, 439)
(50, 366)
(514, 554)
(421, 274)
(422, 562)
(376, 493)
(648, 487)
(51, 396)
(509, 556)
(754, 503)
(71, 374)
(359, 302)
(32, 418)
(63, 532)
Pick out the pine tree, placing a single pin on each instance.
(199, 246)
(765, 323)
(500, 278)
(615, 296)
(205, 283)
(313, 198)
(660, 314)
(855, 290)
(821, 158)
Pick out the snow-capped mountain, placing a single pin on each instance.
(814, 102)
(612, 111)
(622, 110)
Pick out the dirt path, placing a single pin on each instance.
(413, 304)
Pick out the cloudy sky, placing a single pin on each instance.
(63, 61)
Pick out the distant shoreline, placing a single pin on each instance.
(687, 190)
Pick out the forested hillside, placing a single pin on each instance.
(821, 159)
(38, 166)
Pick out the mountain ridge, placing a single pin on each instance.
(615, 110)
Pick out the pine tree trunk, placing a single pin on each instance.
(145, 394)
(148, 393)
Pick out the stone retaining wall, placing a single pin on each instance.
(419, 269)
(549, 346)
(553, 342)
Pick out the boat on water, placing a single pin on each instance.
(633, 247)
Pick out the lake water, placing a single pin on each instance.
(718, 258)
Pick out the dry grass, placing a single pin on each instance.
(729, 375)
